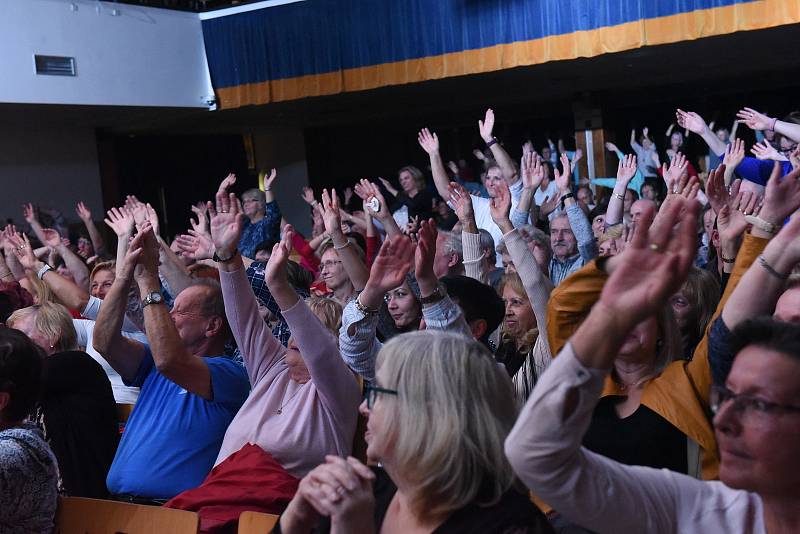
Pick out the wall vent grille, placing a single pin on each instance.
(54, 65)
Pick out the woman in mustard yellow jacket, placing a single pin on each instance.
(653, 412)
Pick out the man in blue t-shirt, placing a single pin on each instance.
(188, 396)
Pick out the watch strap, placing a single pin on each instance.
(218, 259)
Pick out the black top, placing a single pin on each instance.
(515, 513)
(80, 421)
(643, 438)
(420, 206)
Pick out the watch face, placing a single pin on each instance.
(154, 298)
(374, 204)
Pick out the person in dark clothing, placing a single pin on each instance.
(76, 411)
(414, 195)
(438, 414)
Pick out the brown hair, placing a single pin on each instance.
(416, 174)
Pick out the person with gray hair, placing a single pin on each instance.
(438, 414)
(263, 215)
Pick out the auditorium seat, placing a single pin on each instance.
(256, 522)
(78, 515)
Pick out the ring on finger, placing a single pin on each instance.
(341, 490)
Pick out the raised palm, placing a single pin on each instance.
(486, 125)
(753, 119)
(276, 271)
(691, 121)
(678, 166)
(532, 170)
(227, 222)
(269, 179)
(782, 196)
(331, 216)
(461, 202)
(734, 154)
(120, 220)
(626, 169)
(562, 178)
(428, 141)
(51, 237)
(426, 249)
(392, 263)
(500, 205)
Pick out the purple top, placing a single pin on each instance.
(318, 417)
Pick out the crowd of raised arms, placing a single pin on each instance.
(532, 351)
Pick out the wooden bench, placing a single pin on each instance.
(257, 523)
(78, 515)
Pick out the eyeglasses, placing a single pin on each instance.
(745, 404)
(371, 394)
(787, 151)
(329, 264)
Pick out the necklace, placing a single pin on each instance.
(624, 387)
(285, 402)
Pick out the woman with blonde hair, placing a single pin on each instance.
(519, 330)
(438, 413)
(76, 412)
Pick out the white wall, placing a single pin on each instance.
(140, 57)
(49, 165)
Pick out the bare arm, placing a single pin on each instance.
(355, 268)
(172, 269)
(94, 234)
(759, 121)
(486, 126)
(430, 144)
(75, 264)
(695, 124)
(616, 206)
(123, 354)
(121, 221)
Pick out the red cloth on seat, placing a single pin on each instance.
(247, 480)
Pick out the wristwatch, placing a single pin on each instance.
(154, 297)
(217, 259)
(438, 294)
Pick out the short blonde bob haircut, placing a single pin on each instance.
(52, 321)
(454, 408)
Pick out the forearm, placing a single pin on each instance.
(14, 266)
(355, 268)
(390, 226)
(714, 143)
(616, 205)
(284, 295)
(108, 324)
(758, 290)
(165, 343)
(5, 272)
(522, 209)
(95, 236)
(122, 249)
(75, 265)
(789, 129)
(440, 178)
(172, 269)
(474, 266)
(505, 162)
(587, 246)
(71, 295)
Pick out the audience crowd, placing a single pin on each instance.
(530, 351)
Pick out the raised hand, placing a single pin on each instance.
(753, 119)
(653, 265)
(226, 183)
(548, 206)
(138, 209)
(577, 157)
(428, 141)
(500, 207)
(532, 170)
(330, 212)
(275, 272)
(131, 259)
(148, 258)
(152, 217)
(83, 212)
(391, 265)
(121, 221)
(308, 196)
(22, 250)
(269, 179)
(734, 154)
(461, 201)
(691, 121)
(626, 169)
(367, 190)
(794, 158)
(678, 166)
(196, 245)
(29, 212)
(201, 224)
(611, 147)
(563, 178)
(426, 250)
(348, 194)
(51, 237)
(646, 132)
(527, 148)
(486, 125)
(782, 196)
(766, 151)
(227, 222)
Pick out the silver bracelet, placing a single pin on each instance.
(363, 309)
(347, 244)
(43, 269)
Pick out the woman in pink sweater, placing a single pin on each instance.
(304, 400)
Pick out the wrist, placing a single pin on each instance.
(148, 282)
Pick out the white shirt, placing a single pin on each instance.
(597, 493)
(85, 328)
(551, 191)
(483, 215)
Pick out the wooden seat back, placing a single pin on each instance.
(79, 515)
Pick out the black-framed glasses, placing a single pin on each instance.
(745, 404)
(371, 394)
